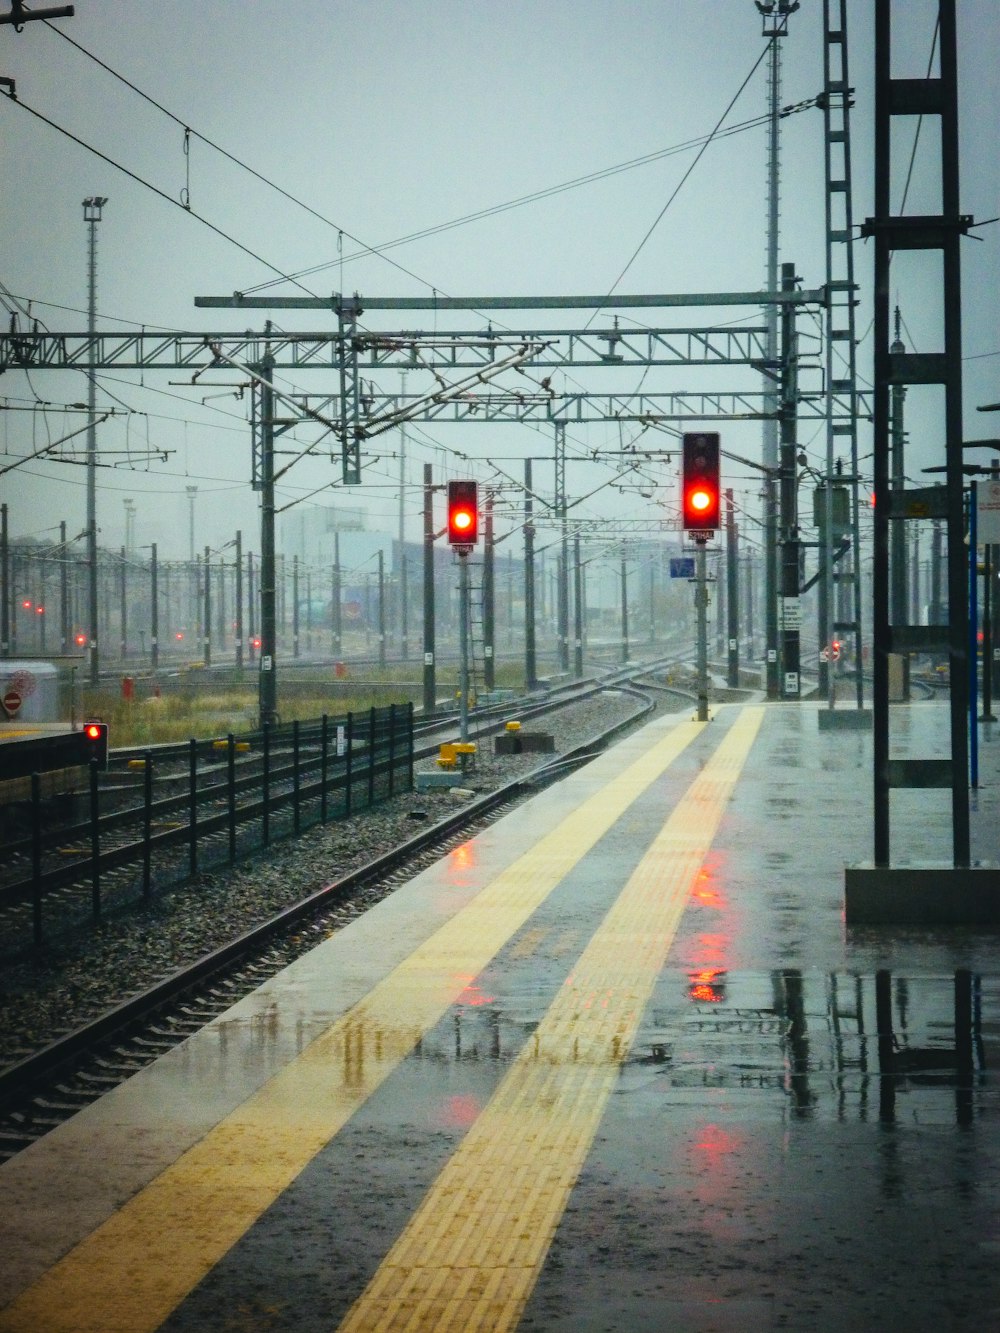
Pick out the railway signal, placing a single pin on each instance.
(96, 735)
(463, 513)
(700, 482)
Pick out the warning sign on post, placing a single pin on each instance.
(789, 613)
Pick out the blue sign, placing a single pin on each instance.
(682, 567)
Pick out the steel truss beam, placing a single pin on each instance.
(406, 350)
(644, 408)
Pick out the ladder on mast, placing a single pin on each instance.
(841, 340)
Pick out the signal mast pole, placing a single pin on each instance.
(92, 216)
(775, 15)
(701, 602)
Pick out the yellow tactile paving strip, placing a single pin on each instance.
(472, 1252)
(132, 1271)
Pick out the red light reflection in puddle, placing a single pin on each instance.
(717, 1160)
(716, 1143)
(709, 883)
(471, 994)
(460, 1111)
(461, 865)
(708, 985)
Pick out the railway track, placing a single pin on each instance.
(48, 1085)
(209, 808)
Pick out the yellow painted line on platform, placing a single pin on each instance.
(472, 1252)
(134, 1269)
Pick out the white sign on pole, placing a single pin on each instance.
(988, 512)
(789, 613)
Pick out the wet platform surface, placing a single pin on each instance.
(617, 1064)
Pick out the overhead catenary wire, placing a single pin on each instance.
(521, 201)
(230, 157)
(162, 194)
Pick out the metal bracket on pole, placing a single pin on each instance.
(349, 428)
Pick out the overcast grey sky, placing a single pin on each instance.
(388, 118)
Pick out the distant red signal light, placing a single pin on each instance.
(80, 640)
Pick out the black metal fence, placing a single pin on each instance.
(230, 798)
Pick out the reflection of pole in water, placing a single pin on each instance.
(792, 997)
(886, 1051)
(966, 1024)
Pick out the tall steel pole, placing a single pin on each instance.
(733, 592)
(404, 628)
(530, 659)
(268, 688)
(562, 569)
(5, 598)
(898, 610)
(489, 597)
(154, 612)
(92, 215)
(430, 683)
(381, 608)
(701, 601)
(338, 624)
(63, 591)
(789, 520)
(775, 26)
(463, 630)
(238, 570)
(577, 608)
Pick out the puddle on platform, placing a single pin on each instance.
(876, 1046)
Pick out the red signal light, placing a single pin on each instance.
(463, 513)
(700, 482)
(96, 735)
(81, 639)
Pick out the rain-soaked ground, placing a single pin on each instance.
(804, 1133)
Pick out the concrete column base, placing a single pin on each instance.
(927, 895)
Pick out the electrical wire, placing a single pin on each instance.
(230, 157)
(680, 185)
(162, 194)
(522, 200)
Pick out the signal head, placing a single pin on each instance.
(700, 482)
(95, 733)
(463, 513)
